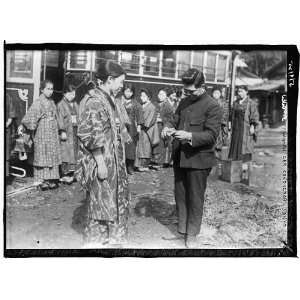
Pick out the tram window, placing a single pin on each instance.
(151, 63)
(221, 68)
(107, 54)
(21, 64)
(184, 62)
(52, 58)
(169, 64)
(198, 60)
(130, 61)
(79, 60)
(211, 66)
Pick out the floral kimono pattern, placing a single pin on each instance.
(68, 122)
(108, 200)
(41, 119)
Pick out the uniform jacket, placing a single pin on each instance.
(201, 115)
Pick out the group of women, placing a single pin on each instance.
(100, 142)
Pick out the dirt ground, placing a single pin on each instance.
(235, 215)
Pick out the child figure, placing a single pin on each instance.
(67, 110)
(42, 122)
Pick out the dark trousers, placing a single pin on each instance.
(190, 186)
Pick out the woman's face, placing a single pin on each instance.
(242, 93)
(70, 96)
(144, 97)
(116, 84)
(173, 97)
(48, 90)
(216, 94)
(162, 96)
(128, 93)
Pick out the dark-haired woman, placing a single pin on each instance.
(42, 121)
(101, 160)
(244, 122)
(67, 110)
(165, 114)
(135, 114)
(149, 136)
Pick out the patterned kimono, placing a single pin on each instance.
(242, 142)
(222, 137)
(42, 120)
(100, 127)
(135, 113)
(68, 121)
(162, 153)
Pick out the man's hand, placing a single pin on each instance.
(63, 136)
(167, 132)
(183, 136)
(252, 129)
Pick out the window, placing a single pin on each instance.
(52, 58)
(198, 60)
(211, 66)
(221, 68)
(169, 64)
(107, 54)
(79, 60)
(21, 64)
(151, 63)
(184, 62)
(130, 61)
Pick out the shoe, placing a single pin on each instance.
(156, 168)
(44, 186)
(53, 185)
(143, 169)
(191, 241)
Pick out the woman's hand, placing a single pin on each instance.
(63, 136)
(20, 130)
(167, 132)
(252, 129)
(138, 129)
(102, 171)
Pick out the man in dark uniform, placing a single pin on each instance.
(195, 128)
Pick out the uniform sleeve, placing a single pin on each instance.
(211, 128)
(33, 115)
(92, 126)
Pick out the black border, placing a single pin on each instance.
(290, 249)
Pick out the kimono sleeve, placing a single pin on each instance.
(254, 115)
(91, 129)
(61, 116)
(139, 115)
(33, 115)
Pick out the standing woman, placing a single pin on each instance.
(135, 113)
(67, 110)
(42, 121)
(244, 122)
(101, 160)
(149, 137)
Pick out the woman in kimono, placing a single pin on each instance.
(165, 113)
(135, 114)
(244, 123)
(101, 160)
(67, 110)
(11, 116)
(42, 122)
(149, 136)
(222, 137)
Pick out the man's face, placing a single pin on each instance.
(173, 97)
